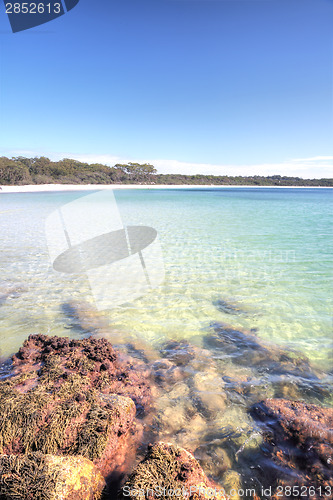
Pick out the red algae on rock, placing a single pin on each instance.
(299, 437)
(94, 359)
(73, 397)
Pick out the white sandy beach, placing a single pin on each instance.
(38, 188)
(86, 187)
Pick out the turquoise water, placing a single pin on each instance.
(268, 250)
(265, 253)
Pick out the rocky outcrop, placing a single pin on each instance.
(99, 366)
(45, 477)
(168, 470)
(67, 398)
(299, 440)
(74, 397)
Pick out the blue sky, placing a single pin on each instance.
(233, 86)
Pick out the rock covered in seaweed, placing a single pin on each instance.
(104, 436)
(46, 477)
(73, 397)
(299, 439)
(57, 359)
(168, 470)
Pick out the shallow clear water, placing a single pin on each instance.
(266, 250)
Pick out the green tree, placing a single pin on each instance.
(13, 173)
(136, 172)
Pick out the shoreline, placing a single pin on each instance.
(38, 188)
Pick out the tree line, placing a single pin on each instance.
(41, 170)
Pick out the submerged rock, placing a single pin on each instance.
(73, 397)
(214, 459)
(228, 307)
(84, 317)
(11, 290)
(46, 477)
(172, 419)
(290, 372)
(141, 350)
(193, 393)
(166, 373)
(168, 470)
(188, 357)
(208, 392)
(232, 484)
(299, 440)
(3, 298)
(242, 386)
(232, 428)
(180, 352)
(243, 345)
(174, 410)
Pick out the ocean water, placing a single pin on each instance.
(268, 250)
(265, 251)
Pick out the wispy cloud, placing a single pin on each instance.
(314, 167)
(307, 168)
